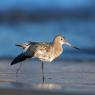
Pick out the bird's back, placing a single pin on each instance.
(39, 50)
(44, 51)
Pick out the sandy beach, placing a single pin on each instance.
(64, 76)
(81, 74)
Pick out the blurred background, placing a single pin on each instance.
(41, 20)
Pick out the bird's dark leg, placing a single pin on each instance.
(18, 68)
(43, 72)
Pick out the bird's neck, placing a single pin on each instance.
(57, 46)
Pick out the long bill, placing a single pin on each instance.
(67, 43)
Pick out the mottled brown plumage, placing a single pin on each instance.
(43, 51)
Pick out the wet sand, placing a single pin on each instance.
(70, 75)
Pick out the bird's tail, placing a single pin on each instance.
(21, 57)
(22, 46)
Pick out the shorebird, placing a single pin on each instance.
(44, 51)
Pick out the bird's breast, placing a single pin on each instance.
(48, 54)
(57, 50)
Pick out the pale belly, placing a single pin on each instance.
(46, 59)
(46, 56)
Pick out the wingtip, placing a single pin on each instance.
(13, 62)
(21, 57)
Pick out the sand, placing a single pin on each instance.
(72, 76)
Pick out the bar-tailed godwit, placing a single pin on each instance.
(44, 51)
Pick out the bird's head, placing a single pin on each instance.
(61, 40)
